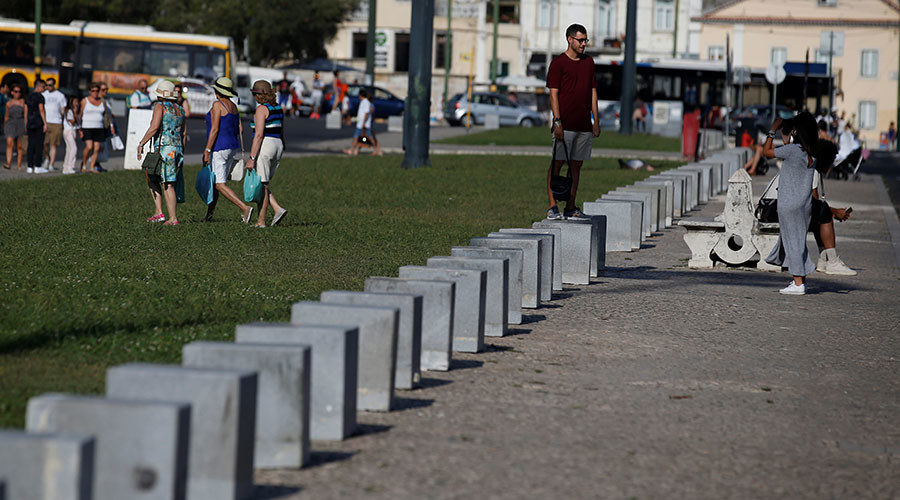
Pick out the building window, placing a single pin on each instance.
(547, 14)
(401, 52)
(716, 52)
(779, 56)
(867, 115)
(440, 50)
(606, 20)
(359, 45)
(827, 3)
(509, 11)
(868, 63)
(665, 15)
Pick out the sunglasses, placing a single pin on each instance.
(15, 91)
(95, 90)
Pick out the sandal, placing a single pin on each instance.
(173, 222)
(157, 218)
(246, 218)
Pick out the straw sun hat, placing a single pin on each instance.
(225, 86)
(166, 90)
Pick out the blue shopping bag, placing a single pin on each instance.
(179, 187)
(252, 186)
(205, 184)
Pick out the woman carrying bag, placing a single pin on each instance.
(168, 123)
(267, 148)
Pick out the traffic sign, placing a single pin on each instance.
(775, 74)
(742, 75)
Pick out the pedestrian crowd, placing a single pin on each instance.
(34, 124)
(166, 139)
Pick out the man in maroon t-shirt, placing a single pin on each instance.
(573, 97)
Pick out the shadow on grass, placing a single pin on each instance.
(273, 491)
(42, 337)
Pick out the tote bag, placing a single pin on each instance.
(205, 184)
(252, 186)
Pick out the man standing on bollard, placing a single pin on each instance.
(573, 100)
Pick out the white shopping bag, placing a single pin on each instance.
(237, 173)
(117, 143)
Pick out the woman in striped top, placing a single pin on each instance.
(267, 148)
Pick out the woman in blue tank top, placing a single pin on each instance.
(223, 140)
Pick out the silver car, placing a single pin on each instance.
(489, 103)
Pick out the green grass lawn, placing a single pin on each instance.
(540, 136)
(88, 284)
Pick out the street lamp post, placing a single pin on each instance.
(626, 107)
(418, 103)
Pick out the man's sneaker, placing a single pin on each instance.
(838, 267)
(574, 213)
(793, 289)
(41, 170)
(821, 263)
(29, 170)
(553, 213)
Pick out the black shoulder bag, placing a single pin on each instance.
(767, 208)
(561, 186)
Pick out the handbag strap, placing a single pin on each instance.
(769, 187)
(566, 149)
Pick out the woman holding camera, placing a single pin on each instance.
(801, 152)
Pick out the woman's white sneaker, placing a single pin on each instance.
(838, 267)
(793, 289)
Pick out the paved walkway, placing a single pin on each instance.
(658, 381)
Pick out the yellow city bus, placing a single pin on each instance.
(118, 54)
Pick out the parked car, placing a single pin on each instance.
(758, 117)
(200, 96)
(489, 103)
(386, 103)
(609, 117)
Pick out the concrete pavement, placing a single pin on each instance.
(658, 381)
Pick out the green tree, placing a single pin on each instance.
(277, 29)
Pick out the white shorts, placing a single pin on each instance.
(269, 158)
(222, 162)
(579, 145)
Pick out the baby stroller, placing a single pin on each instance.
(849, 166)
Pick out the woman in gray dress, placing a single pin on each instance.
(14, 126)
(800, 154)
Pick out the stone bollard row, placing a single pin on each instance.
(198, 430)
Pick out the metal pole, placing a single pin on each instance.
(628, 70)
(729, 84)
(897, 123)
(447, 52)
(494, 69)
(675, 33)
(806, 82)
(370, 45)
(37, 39)
(418, 103)
(774, 99)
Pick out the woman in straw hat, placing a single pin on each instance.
(168, 122)
(267, 148)
(223, 140)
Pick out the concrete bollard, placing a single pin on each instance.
(705, 190)
(395, 124)
(333, 120)
(576, 248)
(153, 463)
(491, 121)
(667, 201)
(437, 315)
(496, 303)
(691, 187)
(47, 466)
(544, 259)
(334, 363)
(677, 192)
(528, 276)
(648, 215)
(283, 394)
(223, 417)
(598, 241)
(623, 230)
(468, 302)
(658, 202)
(377, 346)
(408, 373)
(514, 299)
(554, 242)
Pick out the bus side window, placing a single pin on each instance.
(124, 57)
(16, 49)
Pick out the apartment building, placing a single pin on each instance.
(865, 57)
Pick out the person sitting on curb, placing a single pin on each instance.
(573, 97)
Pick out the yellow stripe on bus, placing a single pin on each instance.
(134, 38)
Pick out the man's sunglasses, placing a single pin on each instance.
(581, 40)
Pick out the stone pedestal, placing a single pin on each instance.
(223, 420)
(377, 346)
(283, 394)
(576, 243)
(47, 466)
(623, 224)
(515, 296)
(554, 242)
(545, 259)
(333, 374)
(649, 217)
(409, 328)
(531, 263)
(496, 310)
